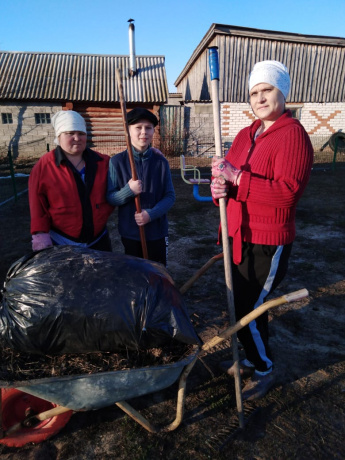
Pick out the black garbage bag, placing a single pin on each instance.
(74, 300)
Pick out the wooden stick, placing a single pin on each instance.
(58, 410)
(131, 159)
(200, 272)
(214, 71)
(1, 426)
(292, 297)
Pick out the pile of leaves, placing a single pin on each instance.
(18, 366)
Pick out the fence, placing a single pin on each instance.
(16, 161)
(13, 178)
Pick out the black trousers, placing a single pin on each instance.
(261, 270)
(156, 249)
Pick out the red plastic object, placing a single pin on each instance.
(15, 407)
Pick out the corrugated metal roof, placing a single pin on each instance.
(80, 77)
(316, 64)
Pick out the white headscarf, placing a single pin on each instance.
(67, 120)
(273, 72)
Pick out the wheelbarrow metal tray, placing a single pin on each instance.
(95, 391)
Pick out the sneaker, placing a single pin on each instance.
(246, 368)
(258, 386)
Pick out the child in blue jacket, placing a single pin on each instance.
(154, 185)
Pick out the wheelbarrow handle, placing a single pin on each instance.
(292, 297)
(58, 410)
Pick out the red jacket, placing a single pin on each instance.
(54, 199)
(276, 168)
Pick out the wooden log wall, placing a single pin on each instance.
(105, 128)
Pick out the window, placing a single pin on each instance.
(42, 118)
(7, 118)
(295, 113)
(295, 109)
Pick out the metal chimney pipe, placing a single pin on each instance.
(132, 60)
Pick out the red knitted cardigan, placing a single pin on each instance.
(276, 169)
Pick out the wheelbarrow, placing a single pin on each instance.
(43, 406)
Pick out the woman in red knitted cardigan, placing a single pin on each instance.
(262, 177)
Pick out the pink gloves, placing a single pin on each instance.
(41, 241)
(219, 188)
(222, 168)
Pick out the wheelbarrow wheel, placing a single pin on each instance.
(17, 406)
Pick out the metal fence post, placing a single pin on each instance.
(12, 174)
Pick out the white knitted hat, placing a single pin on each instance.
(273, 72)
(67, 120)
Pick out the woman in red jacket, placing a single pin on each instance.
(67, 190)
(262, 177)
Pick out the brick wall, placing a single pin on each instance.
(198, 118)
(323, 118)
(319, 120)
(235, 117)
(24, 134)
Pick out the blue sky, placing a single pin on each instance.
(169, 28)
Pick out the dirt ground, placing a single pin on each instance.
(302, 417)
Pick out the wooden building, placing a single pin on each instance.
(316, 65)
(34, 86)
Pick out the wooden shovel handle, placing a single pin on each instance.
(292, 297)
(131, 158)
(200, 272)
